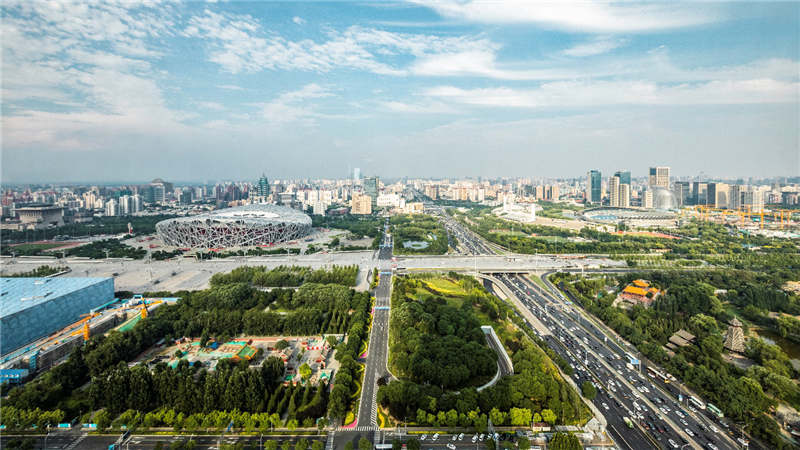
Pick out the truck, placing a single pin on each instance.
(628, 422)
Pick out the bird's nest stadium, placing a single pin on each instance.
(613, 215)
(243, 226)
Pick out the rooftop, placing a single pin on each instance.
(19, 294)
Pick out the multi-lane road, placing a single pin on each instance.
(622, 391)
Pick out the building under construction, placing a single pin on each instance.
(33, 308)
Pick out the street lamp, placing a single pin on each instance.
(47, 436)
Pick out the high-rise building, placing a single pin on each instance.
(717, 194)
(619, 193)
(613, 191)
(594, 187)
(624, 195)
(356, 174)
(700, 193)
(735, 196)
(371, 189)
(683, 193)
(659, 176)
(263, 187)
(624, 177)
(112, 208)
(159, 190)
(362, 204)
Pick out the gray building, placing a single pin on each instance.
(32, 308)
(594, 190)
(683, 193)
(700, 193)
(371, 189)
(624, 177)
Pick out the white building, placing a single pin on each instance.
(112, 208)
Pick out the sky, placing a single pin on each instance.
(192, 91)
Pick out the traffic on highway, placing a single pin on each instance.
(640, 414)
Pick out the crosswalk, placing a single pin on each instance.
(77, 442)
(329, 441)
(361, 428)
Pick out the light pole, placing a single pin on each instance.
(47, 436)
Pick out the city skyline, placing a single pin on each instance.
(103, 92)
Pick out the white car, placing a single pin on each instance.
(605, 406)
(451, 446)
(461, 436)
(423, 437)
(475, 439)
(714, 429)
(482, 437)
(689, 432)
(455, 437)
(673, 444)
(435, 437)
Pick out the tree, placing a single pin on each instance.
(564, 441)
(588, 390)
(348, 445)
(286, 445)
(413, 444)
(281, 345)
(317, 445)
(102, 419)
(490, 445)
(178, 354)
(524, 443)
(291, 424)
(549, 416)
(305, 371)
(271, 445)
(302, 444)
(397, 444)
(364, 444)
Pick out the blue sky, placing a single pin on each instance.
(195, 91)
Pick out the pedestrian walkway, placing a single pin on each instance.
(329, 441)
(360, 428)
(77, 442)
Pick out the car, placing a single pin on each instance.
(714, 429)
(423, 437)
(451, 446)
(673, 444)
(435, 437)
(461, 436)
(605, 406)
(475, 439)
(455, 437)
(482, 436)
(689, 432)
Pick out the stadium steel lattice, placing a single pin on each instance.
(243, 226)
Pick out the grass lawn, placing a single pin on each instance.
(36, 246)
(552, 239)
(445, 286)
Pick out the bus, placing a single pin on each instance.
(717, 412)
(628, 422)
(657, 374)
(696, 402)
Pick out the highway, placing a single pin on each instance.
(622, 392)
(697, 419)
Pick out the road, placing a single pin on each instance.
(621, 389)
(80, 441)
(366, 424)
(697, 419)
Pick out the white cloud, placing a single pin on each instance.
(588, 16)
(420, 108)
(299, 21)
(602, 93)
(600, 45)
(232, 88)
(290, 106)
(211, 105)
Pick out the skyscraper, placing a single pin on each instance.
(356, 174)
(371, 186)
(593, 187)
(613, 191)
(624, 177)
(659, 176)
(263, 186)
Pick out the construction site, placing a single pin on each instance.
(41, 354)
(749, 217)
